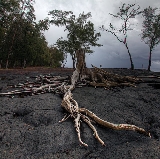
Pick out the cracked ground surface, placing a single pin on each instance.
(30, 128)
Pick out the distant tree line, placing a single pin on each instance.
(22, 42)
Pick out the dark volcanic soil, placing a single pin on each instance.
(30, 128)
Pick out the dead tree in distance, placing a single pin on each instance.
(125, 14)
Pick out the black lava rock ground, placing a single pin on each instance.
(30, 128)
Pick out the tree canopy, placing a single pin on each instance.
(81, 32)
(22, 42)
(151, 29)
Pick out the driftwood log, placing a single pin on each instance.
(64, 86)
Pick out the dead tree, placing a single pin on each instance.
(94, 77)
(78, 114)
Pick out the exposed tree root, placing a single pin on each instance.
(71, 106)
(88, 121)
(111, 125)
(95, 77)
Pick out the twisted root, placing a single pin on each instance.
(71, 106)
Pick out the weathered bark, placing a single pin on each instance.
(71, 106)
(111, 125)
(95, 77)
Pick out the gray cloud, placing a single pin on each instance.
(112, 53)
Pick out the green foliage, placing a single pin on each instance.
(151, 29)
(81, 33)
(22, 42)
(7, 9)
(56, 57)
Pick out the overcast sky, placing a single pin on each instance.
(112, 53)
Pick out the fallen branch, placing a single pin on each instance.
(42, 85)
(111, 125)
(71, 106)
(96, 77)
(149, 77)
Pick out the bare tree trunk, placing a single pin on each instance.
(10, 49)
(0, 64)
(130, 57)
(7, 61)
(81, 64)
(24, 63)
(73, 60)
(149, 65)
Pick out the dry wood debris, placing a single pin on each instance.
(64, 86)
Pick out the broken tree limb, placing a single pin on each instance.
(88, 121)
(71, 106)
(82, 75)
(149, 77)
(111, 125)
